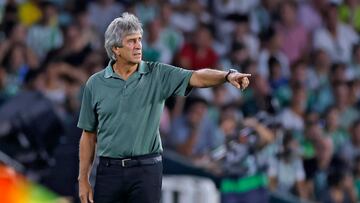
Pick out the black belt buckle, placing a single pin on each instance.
(123, 162)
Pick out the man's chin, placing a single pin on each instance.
(136, 61)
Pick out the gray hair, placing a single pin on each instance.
(119, 28)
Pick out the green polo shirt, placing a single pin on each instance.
(126, 113)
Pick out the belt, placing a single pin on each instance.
(132, 161)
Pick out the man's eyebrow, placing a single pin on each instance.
(132, 38)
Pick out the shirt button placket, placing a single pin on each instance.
(125, 88)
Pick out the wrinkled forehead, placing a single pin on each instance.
(134, 35)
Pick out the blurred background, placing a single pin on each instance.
(292, 136)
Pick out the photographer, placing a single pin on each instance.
(286, 172)
(244, 162)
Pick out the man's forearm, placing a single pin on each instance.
(86, 154)
(207, 78)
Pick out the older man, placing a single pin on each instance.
(120, 116)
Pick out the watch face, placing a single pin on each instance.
(233, 71)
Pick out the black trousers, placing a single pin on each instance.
(136, 184)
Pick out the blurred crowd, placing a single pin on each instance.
(297, 125)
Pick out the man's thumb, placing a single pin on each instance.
(236, 84)
(91, 197)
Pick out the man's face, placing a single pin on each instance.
(131, 49)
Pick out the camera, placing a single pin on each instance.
(29, 128)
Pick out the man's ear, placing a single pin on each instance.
(116, 49)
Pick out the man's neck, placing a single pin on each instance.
(124, 69)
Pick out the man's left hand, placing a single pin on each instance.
(239, 80)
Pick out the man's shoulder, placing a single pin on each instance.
(158, 67)
(95, 77)
(154, 65)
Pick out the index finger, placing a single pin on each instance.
(83, 199)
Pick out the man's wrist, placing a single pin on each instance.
(83, 178)
(231, 71)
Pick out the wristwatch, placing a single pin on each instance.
(230, 72)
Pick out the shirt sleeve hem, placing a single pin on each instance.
(86, 127)
(188, 88)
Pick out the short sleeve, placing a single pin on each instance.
(88, 117)
(174, 81)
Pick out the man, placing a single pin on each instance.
(120, 116)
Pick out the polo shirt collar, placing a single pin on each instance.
(143, 68)
(109, 72)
